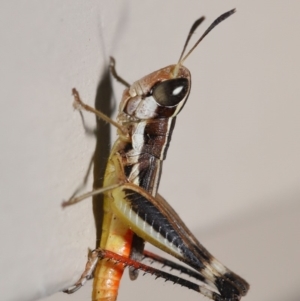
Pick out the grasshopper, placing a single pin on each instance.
(134, 211)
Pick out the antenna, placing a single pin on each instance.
(192, 30)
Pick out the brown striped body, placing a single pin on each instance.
(136, 158)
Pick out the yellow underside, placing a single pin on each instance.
(116, 237)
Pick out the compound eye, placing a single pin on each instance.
(170, 92)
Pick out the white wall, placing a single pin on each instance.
(233, 168)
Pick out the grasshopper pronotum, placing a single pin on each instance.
(134, 211)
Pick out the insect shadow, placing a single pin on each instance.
(103, 103)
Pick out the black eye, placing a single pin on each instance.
(170, 92)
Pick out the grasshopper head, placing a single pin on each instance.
(163, 93)
(157, 95)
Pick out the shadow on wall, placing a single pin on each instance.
(103, 103)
